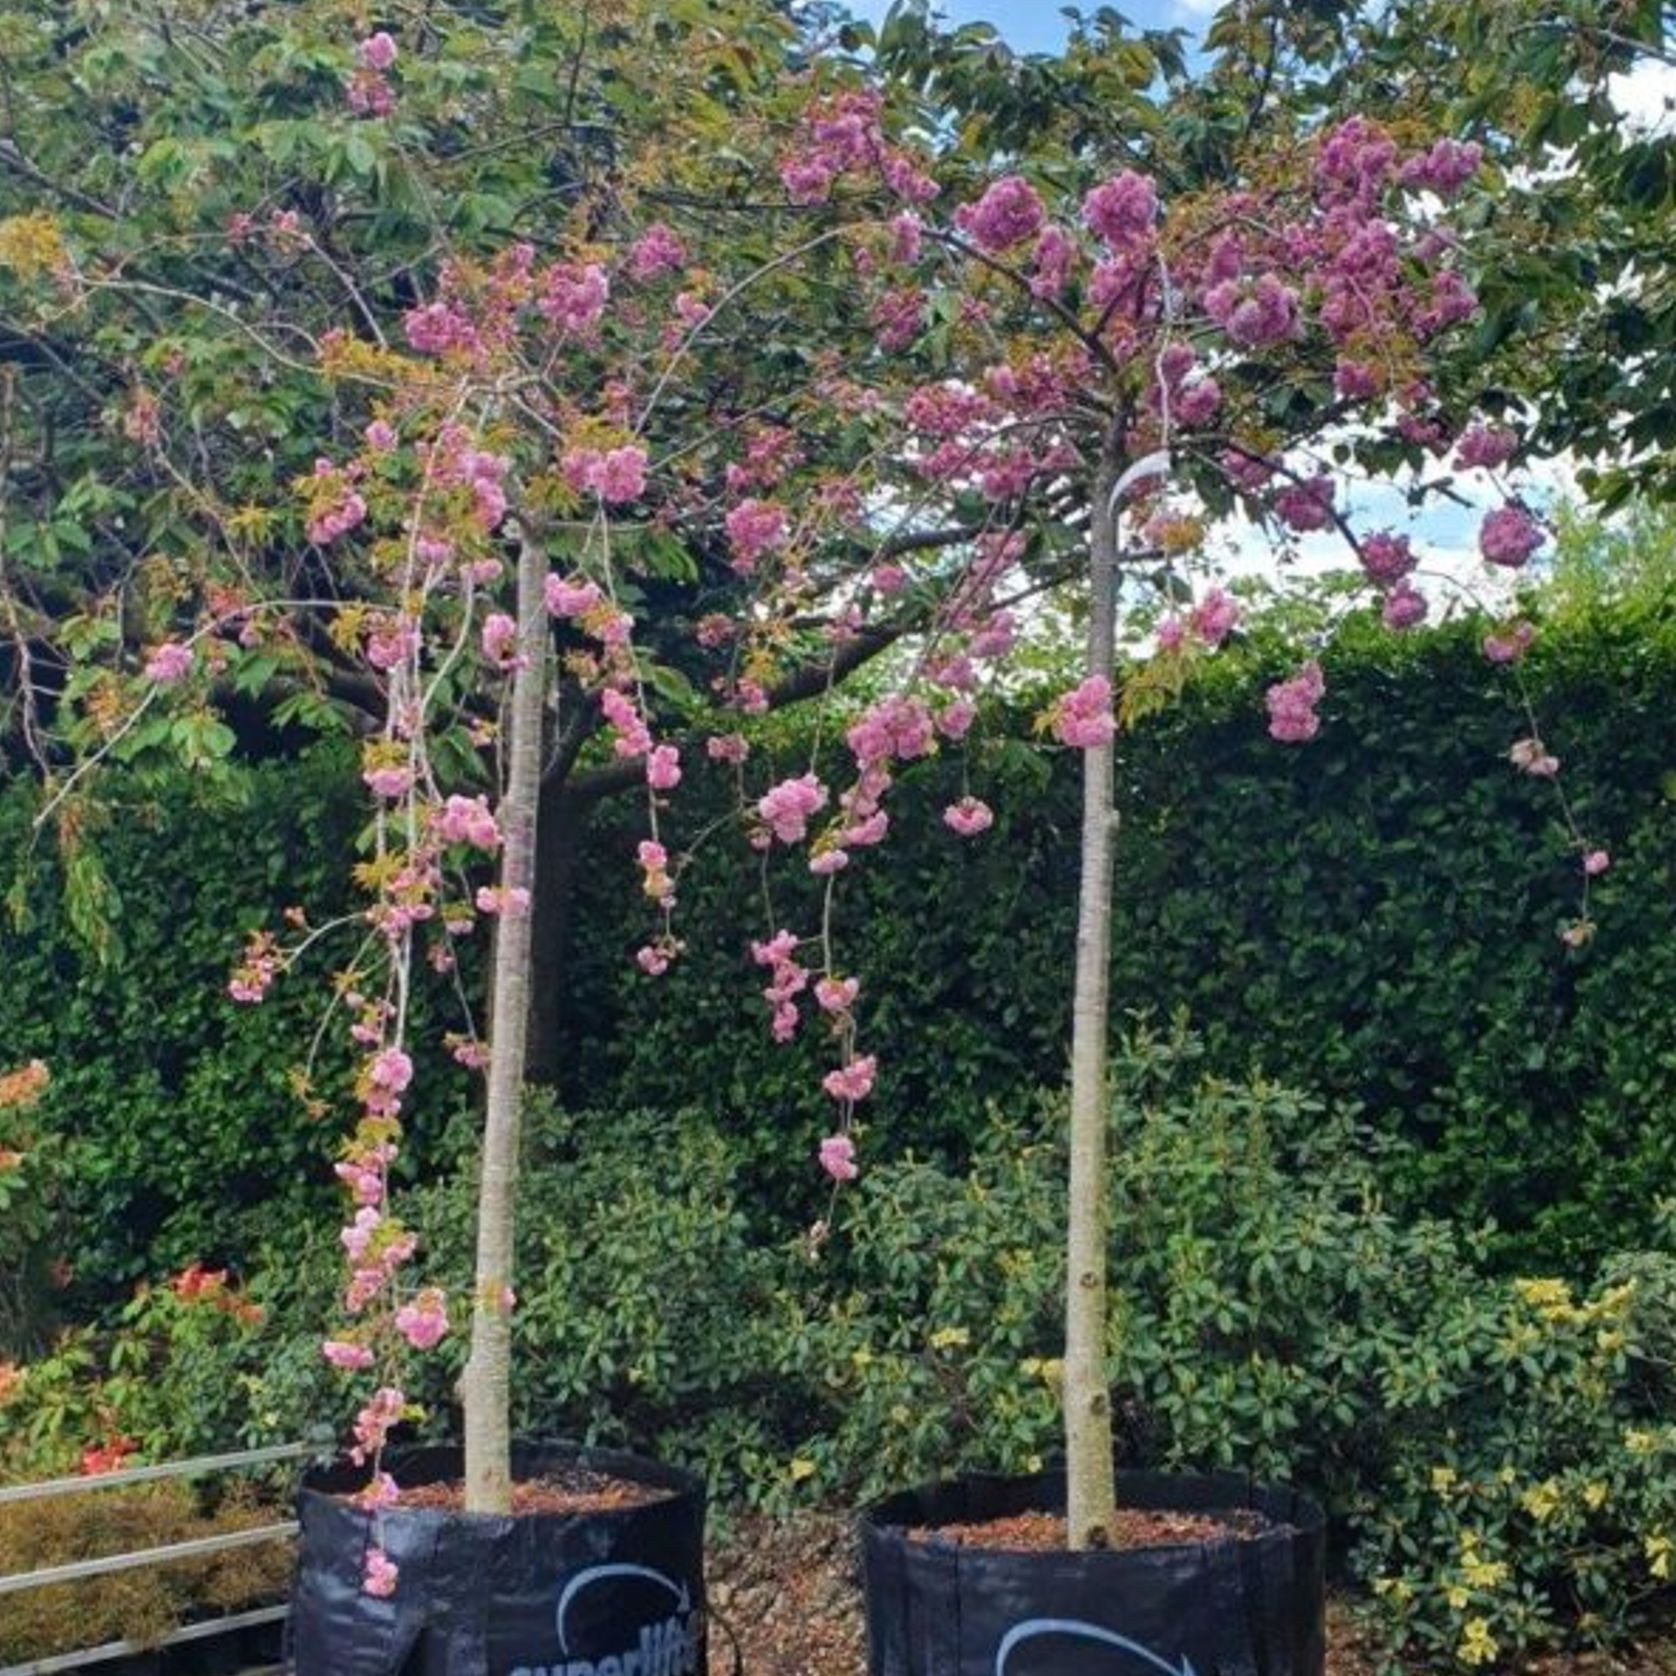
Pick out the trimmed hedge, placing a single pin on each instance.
(181, 1135)
(1372, 916)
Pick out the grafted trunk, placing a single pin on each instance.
(1088, 1423)
(486, 1386)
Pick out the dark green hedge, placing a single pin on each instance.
(183, 1135)
(1372, 916)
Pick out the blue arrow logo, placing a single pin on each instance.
(598, 1573)
(1037, 1627)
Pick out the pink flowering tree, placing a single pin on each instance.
(699, 433)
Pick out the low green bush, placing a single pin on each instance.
(1499, 1453)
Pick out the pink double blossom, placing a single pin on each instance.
(1291, 705)
(1083, 718)
(787, 807)
(838, 1158)
(969, 817)
(853, 1081)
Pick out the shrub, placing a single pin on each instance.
(1501, 1451)
(142, 1606)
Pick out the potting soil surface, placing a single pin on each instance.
(1134, 1528)
(572, 1489)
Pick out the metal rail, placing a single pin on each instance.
(198, 1468)
(106, 1565)
(210, 1628)
(195, 1549)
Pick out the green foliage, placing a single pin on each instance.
(1272, 1314)
(175, 1111)
(1501, 1450)
(1372, 917)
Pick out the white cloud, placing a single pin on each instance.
(1647, 97)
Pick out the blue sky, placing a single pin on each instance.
(1037, 24)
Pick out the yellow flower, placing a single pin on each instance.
(1477, 1646)
(1443, 1479)
(1457, 1597)
(1609, 1342)
(1543, 1502)
(802, 1468)
(1595, 1496)
(1659, 1549)
(1484, 1574)
(1641, 1443)
(947, 1338)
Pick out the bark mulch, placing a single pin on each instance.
(789, 1589)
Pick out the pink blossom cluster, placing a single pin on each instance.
(786, 809)
(335, 506)
(456, 462)
(1509, 644)
(787, 980)
(1387, 557)
(841, 135)
(1006, 215)
(1291, 704)
(423, 1321)
(899, 317)
(755, 528)
(853, 1081)
(616, 475)
(969, 817)
(1256, 315)
(1485, 446)
(1405, 607)
(632, 738)
(1445, 168)
(1509, 536)
(1123, 211)
(369, 92)
(169, 663)
(500, 641)
(377, 1419)
(657, 251)
(1083, 717)
(391, 642)
(837, 1158)
(1307, 505)
(896, 729)
(573, 298)
(466, 820)
(256, 970)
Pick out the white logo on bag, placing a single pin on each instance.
(1074, 1628)
(669, 1648)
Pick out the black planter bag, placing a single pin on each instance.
(611, 1593)
(1253, 1607)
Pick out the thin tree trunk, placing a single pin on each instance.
(486, 1385)
(1088, 1422)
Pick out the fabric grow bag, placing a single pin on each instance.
(1235, 1607)
(618, 1592)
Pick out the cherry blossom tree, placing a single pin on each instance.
(571, 494)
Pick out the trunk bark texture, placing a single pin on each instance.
(1090, 1477)
(486, 1386)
